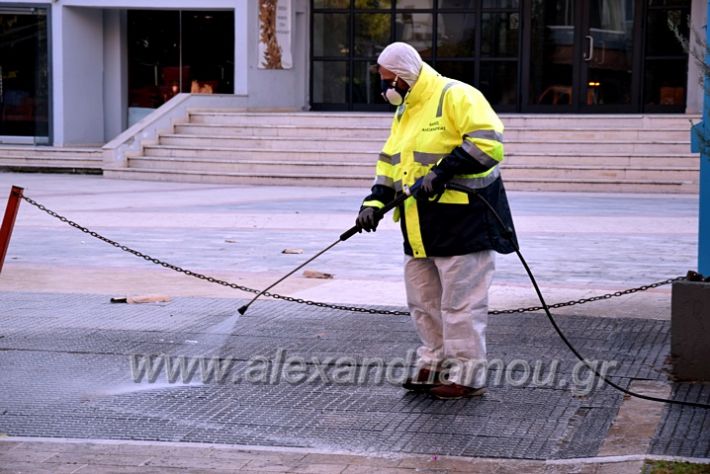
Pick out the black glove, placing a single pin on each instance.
(368, 219)
(432, 184)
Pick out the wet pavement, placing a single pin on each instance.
(290, 375)
(77, 367)
(71, 358)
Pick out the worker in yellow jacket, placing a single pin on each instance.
(443, 130)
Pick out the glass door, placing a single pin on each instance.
(474, 41)
(176, 51)
(551, 51)
(24, 76)
(606, 82)
(581, 56)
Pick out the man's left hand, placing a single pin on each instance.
(432, 185)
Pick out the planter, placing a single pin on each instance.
(690, 330)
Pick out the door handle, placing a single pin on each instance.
(590, 55)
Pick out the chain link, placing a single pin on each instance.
(592, 298)
(319, 304)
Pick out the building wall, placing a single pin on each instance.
(115, 74)
(89, 63)
(89, 78)
(274, 88)
(79, 86)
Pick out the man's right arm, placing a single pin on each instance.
(383, 188)
(381, 193)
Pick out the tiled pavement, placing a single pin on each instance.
(40, 456)
(65, 351)
(71, 362)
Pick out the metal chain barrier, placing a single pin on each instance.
(355, 309)
(592, 298)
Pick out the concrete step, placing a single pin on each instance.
(359, 170)
(602, 159)
(347, 119)
(606, 186)
(342, 119)
(380, 133)
(49, 163)
(47, 152)
(301, 131)
(373, 146)
(366, 171)
(271, 143)
(628, 153)
(604, 122)
(611, 135)
(40, 158)
(686, 175)
(370, 157)
(575, 147)
(281, 179)
(375, 133)
(53, 167)
(313, 154)
(519, 184)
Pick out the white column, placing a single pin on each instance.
(78, 47)
(241, 50)
(115, 81)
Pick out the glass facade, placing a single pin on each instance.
(526, 56)
(178, 51)
(470, 40)
(666, 57)
(24, 73)
(609, 70)
(552, 50)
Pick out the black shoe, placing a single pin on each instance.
(424, 381)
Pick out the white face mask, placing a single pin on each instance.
(392, 93)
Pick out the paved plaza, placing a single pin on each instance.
(187, 385)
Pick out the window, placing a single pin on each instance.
(467, 40)
(24, 74)
(178, 51)
(666, 57)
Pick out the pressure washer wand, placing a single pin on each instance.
(343, 237)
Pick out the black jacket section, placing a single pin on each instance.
(459, 229)
(459, 162)
(381, 193)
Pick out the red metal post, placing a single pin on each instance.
(8, 222)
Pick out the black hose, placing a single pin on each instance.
(508, 233)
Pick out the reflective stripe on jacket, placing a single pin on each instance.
(448, 125)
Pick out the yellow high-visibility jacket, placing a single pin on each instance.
(448, 127)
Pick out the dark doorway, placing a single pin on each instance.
(547, 56)
(615, 56)
(178, 51)
(474, 41)
(24, 73)
(582, 56)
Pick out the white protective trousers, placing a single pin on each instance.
(448, 300)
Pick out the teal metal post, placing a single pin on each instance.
(700, 142)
